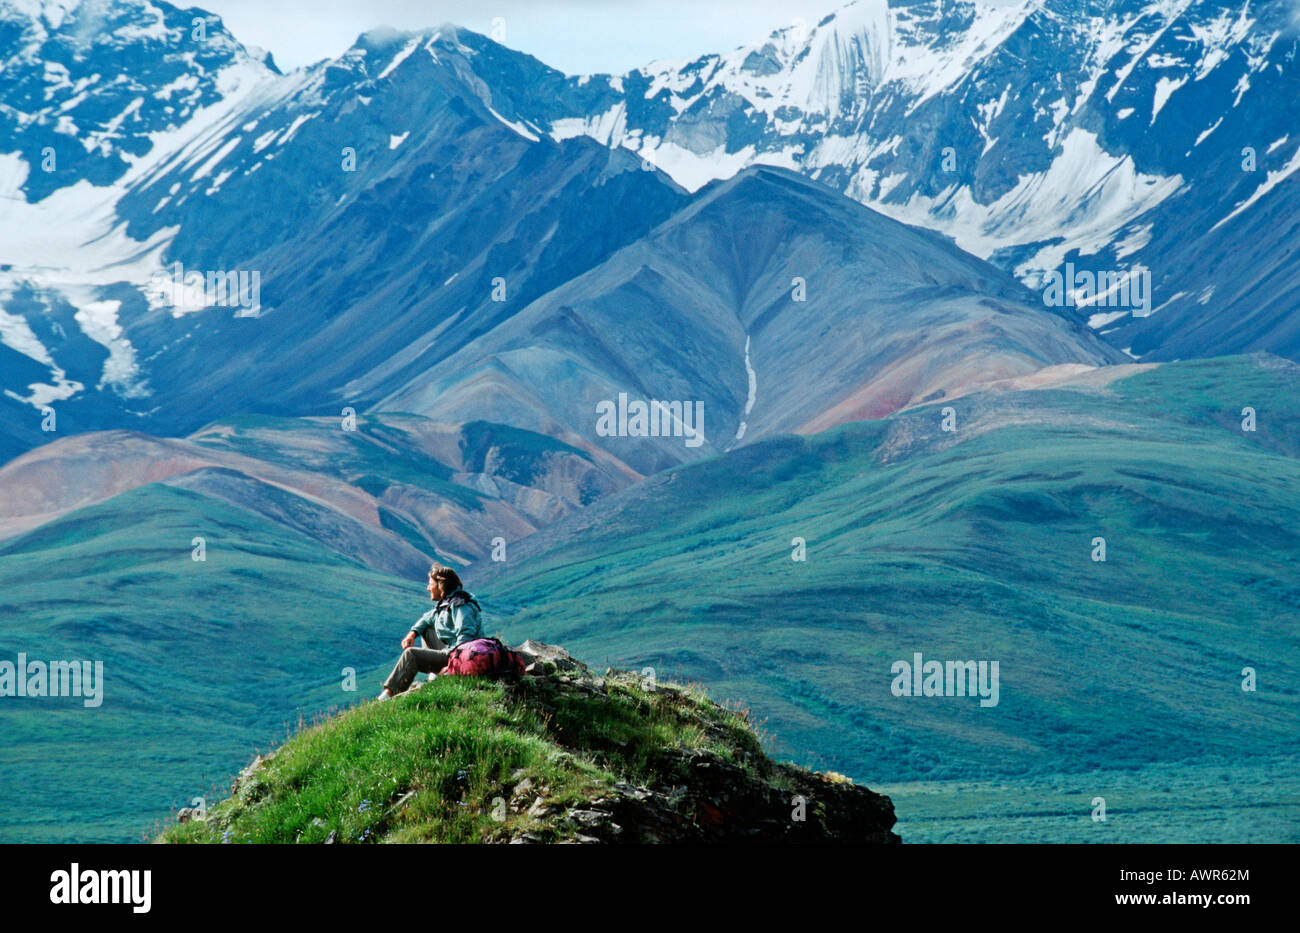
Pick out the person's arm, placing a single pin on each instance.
(417, 630)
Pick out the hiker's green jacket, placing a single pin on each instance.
(455, 620)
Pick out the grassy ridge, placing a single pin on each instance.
(440, 764)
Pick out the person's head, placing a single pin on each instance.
(443, 581)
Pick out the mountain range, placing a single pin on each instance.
(270, 342)
(435, 191)
(1113, 136)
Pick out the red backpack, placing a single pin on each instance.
(483, 657)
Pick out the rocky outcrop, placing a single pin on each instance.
(700, 796)
(712, 800)
(615, 758)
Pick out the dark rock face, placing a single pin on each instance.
(697, 795)
(717, 801)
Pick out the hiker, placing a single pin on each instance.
(455, 619)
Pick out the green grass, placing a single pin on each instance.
(438, 764)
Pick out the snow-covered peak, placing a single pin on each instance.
(83, 26)
(935, 47)
(843, 56)
(87, 84)
(982, 119)
(820, 69)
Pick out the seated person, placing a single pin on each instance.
(455, 618)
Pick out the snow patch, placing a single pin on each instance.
(220, 154)
(98, 321)
(1270, 182)
(1205, 135)
(516, 126)
(17, 334)
(753, 392)
(1086, 194)
(1164, 88)
(400, 57)
(1136, 238)
(1101, 320)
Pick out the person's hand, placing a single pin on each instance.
(408, 641)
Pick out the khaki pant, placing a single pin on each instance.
(414, 661)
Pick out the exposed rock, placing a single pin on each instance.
(705, 798)
(702, 797)
(248, 784)
(548, 658)
(539, 808)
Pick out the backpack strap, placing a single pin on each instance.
(496, 654)
(508, 660)
(461, 597)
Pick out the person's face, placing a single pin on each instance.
(435, 589)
